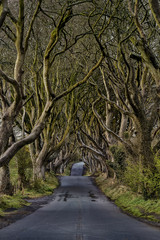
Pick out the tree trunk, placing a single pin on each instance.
(155, 8)
(51, 167)
(38, 161)
(146, 158)
(123, 126)
(38, 172)
(4, 11)
(5, 133)
(5, 185)
(21, 160)
(145, 148)
(109, 117)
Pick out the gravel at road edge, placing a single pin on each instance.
(13, 215)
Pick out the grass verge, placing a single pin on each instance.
(41, 188)
(38, 189)
(11, 203)
(130, 202)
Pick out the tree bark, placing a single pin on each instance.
(109, 117)
(145, 148)
(4, 7)
(39, 163)
(39, 172)
(5, 185)
(123, 125)
(155, 8)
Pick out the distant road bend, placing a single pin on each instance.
(79, 211)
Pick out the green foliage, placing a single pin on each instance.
(133, 177)
(157, 162)
(1, 212)
(15, 201)
(129, 201)
(143, 180)
(119, 160)
(41, 188)
(13, 171)
(21, 167)
(126, 135)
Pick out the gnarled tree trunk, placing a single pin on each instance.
(5, 185)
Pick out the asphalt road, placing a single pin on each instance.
(79, 211)
(77, 169)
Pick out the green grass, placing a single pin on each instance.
(39, 189)
(15, 202)
(32, 190)
(130, 202)
(42, 188)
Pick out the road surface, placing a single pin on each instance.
(77, 169)
(79, 211)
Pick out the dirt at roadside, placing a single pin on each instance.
(12, 215)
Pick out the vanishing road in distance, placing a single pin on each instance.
(79, 211)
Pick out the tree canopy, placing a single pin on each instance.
(80, 80)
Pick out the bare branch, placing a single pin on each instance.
(83, 145)
(4, 6)
(100, 120)
(78, 84)
(92, 140)
(11, 151)
(10, 80)
(31, 25)
(155, 8)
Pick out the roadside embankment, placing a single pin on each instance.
(26, 201)
(130, 202)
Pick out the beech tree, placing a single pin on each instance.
(21, 34)
(118, 108)
(131, 76)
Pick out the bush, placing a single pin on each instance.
(129, 201)
(119, 163)
(40, 187)
(15, 201)
(143, 180)
(133, 176)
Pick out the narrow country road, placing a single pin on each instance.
(79, 211)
